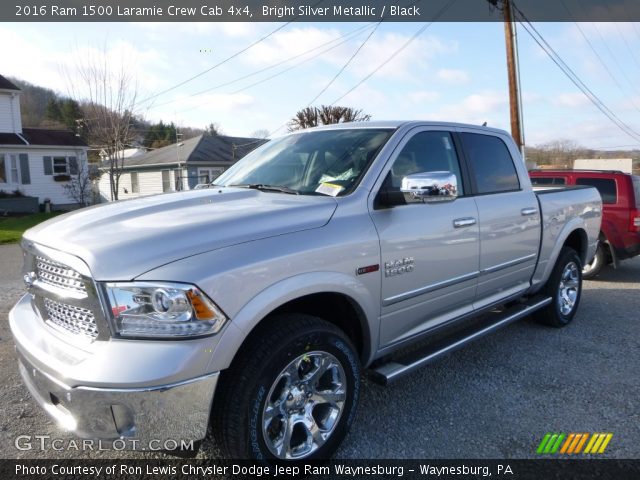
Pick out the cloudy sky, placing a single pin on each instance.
(453, 72)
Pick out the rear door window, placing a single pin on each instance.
(606, 187)
(548, 181)
(636, 189)
(491, 163)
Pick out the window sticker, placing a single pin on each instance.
(330, 189)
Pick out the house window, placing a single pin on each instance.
(60, 166)
(3, 175)
(208, 175)
(135, 188)
(166, 181)
(15, 172)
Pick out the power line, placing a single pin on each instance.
(346, 38)
(222, 62)
(335, 77)
(350, 34)
(395, 53)
(575, 79)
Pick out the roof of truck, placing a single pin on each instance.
(404, 123)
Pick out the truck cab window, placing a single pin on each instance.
(491, 163)
(426, 152)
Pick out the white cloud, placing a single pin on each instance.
(477, 108)
(423, 96)
(571, 100)
(453, 76)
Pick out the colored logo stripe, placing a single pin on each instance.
(573, 443)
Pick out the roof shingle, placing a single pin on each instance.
(6, 84)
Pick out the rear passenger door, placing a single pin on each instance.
(509, 217)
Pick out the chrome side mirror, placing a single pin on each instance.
(430, 187)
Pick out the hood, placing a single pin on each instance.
(125, 239)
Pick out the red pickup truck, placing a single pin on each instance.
(620, 192)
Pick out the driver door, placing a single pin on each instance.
(430, 251)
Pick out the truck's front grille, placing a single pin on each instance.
(77, 320)
(59, 275)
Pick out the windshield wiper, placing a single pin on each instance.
(267, 188)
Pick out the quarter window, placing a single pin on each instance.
(491, 163)
(606, 187)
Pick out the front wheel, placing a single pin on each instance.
(565, 288)
(292, 393)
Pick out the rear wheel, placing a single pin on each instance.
(565, 288)
(292, 393)
(596, 265)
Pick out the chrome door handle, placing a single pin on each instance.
(464, 222)
(529, 211)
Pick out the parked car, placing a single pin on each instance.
(254, 305)
(620, 232)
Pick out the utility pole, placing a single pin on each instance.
(515, 97)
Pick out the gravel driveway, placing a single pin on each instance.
(494, 399)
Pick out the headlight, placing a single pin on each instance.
(150, 309)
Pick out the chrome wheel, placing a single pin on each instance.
(569, 288)
(304, 405)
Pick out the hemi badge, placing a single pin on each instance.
(368, 269)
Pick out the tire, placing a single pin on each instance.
(275, 388)
(596, 265)
(565, 288)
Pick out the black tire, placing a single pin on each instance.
(596, 265)
(555, 314)
(295, 342)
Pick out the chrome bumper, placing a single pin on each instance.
(179, 411)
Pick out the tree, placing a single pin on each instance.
(261, 133)
(70, 113)
(326, 115)
(80, 186)
(213, 129)
(53, 111)
(108, 98)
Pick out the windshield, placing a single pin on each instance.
(325, 162)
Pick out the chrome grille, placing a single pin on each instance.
(59, 275)
(77, 320)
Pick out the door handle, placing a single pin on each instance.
(529, 211)
(464, 222)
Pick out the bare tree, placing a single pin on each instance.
(80, 187)
(326, 115)
(213, 129)
(107, 94)
(260, 133)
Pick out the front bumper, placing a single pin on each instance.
(142, 390)
(153, 414)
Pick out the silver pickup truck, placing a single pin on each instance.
(254, 304)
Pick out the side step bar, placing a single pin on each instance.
(388, 372)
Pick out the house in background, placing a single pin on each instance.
(36, 161)
(176, 167)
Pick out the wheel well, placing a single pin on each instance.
(578, 241)
(335, 308)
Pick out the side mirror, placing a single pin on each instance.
(430, 187)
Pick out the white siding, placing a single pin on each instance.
(41, 186)
(149, 183)
(10, 121)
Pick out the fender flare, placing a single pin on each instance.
(286, 290)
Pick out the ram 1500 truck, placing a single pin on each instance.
(253, 305)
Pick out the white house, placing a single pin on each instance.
(36, 161)
(177, 167)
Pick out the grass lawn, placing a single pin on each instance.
(12, 228)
